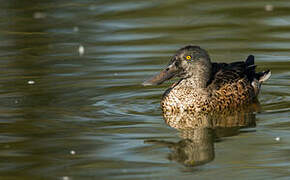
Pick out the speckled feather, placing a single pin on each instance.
(229, 85)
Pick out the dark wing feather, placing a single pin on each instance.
(223, 73)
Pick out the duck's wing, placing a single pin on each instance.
(223, 73)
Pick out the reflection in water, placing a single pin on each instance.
(200, 131)
(238, 117)
(196, 147)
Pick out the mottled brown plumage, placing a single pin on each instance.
(205, 86)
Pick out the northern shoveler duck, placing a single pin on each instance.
(205, 86)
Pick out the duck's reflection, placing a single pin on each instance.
(200, 131)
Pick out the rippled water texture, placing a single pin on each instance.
(72, 107)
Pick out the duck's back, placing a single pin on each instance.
(235, 84)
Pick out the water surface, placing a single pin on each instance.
(68, 115)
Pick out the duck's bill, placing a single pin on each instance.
(164, 75)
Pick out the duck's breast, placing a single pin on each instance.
(185, 99)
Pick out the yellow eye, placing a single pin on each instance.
(188, 57)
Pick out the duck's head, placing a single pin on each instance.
(189, 61)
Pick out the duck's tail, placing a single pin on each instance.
(263, 76)
(257, 78)
(260, 76)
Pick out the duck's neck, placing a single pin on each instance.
(199, 77)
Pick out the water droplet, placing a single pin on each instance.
(269, 7)
(39, 15)
(81, 50)
(31, 82)
(72, 152)
(65, 178)
(76, 29)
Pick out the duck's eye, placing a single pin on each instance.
(188, 57)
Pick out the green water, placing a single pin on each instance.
(67, 115)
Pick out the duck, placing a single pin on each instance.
(204, 86)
